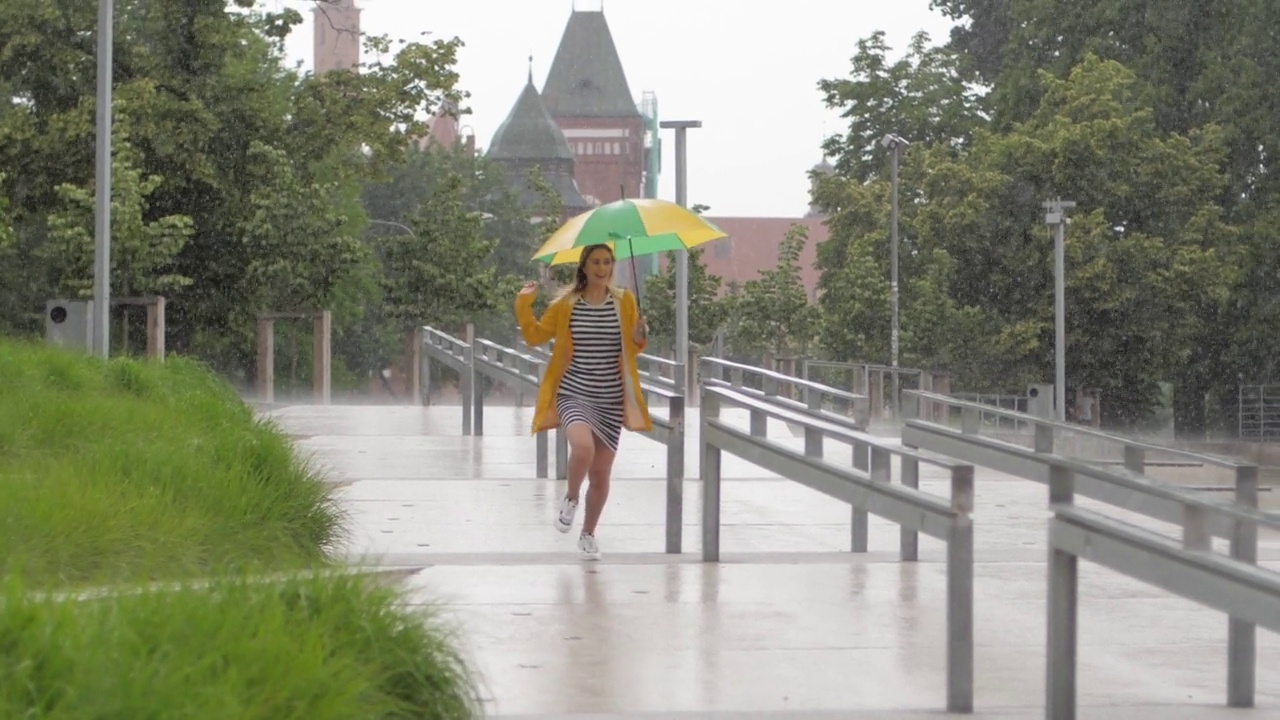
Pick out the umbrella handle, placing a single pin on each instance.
(634, 276)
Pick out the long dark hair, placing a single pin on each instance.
(580, 276)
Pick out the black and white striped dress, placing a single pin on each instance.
(591, 390)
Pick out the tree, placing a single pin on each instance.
(922, 97)
(268, 163)
(707, 311)
(142, 251)
(772, 314)
(438, 275)
(1147, 249)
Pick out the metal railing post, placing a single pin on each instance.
(675, 476)
(562, 454)
(1242, 637)
(859, 521)
(960, 594)
(909, 540)
(1063, 610)
(709, 472)
(468, 392)
(813, 437)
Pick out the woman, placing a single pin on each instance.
(591, 387)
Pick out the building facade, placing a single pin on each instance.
(336, 36)
(529, 138)
(588, 95)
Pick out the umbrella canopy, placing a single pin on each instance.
(630, 227)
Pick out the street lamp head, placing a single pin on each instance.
(893, 142)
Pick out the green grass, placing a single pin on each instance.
(330, 647)
(127, 471)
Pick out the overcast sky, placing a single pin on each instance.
(751, 77)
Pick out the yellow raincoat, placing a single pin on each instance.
(554, 325)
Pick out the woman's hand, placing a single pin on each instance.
(640, 331)
(530, 288)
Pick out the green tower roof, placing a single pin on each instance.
(586, 77)
(529, 132)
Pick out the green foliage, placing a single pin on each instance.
(707, 311)
(922, 97)
(267, 164)
(1200, 69)
(129, 470)
(440, 274)
(1149, 253)
(772, 313)
(142, 251)
(326, 647)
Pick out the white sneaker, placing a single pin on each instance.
(589, 547)
(564, 517)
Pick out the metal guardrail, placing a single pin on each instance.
(490, 360)
(454, 353)
(660, 372)
(813, 396)
(1232, 584)
(969, 444)
(521, 372)
(866, 487)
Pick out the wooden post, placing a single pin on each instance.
(414, 357)
(155, 329)
(266, 359)
(321, 356)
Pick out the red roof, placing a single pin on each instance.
(752, 246)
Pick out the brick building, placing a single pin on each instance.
(335, 36)
(588, 135)
(530, 138)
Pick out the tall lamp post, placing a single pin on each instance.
(682, 256)
(102, 215)
(1056, 218)
(896, 145)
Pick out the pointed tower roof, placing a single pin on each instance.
(529, 132)
(586, 77)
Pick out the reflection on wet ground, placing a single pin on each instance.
(789, 625)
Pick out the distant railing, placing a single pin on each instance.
(452, 353)
(1233, 584)
(811, 395)
(866, 486)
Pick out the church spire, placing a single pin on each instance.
(586, 79)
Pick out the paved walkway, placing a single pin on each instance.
(788, 625)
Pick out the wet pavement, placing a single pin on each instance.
(788, 625)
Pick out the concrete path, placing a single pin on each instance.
(788, 625)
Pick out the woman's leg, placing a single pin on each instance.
(598, 492)
(582, 451)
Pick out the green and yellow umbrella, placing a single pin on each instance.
(631, 228)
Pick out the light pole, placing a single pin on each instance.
(895, 145)
(1056, 217)
(682, 256)
(102, 216)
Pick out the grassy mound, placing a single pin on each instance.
(132, 471)
(335, 647)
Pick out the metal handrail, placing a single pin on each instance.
(772, 383)
(1131, 446)
(456, 354)
(1250, 595)
(1192, 571)
(867, 489)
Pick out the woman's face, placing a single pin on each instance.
(599, 267)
